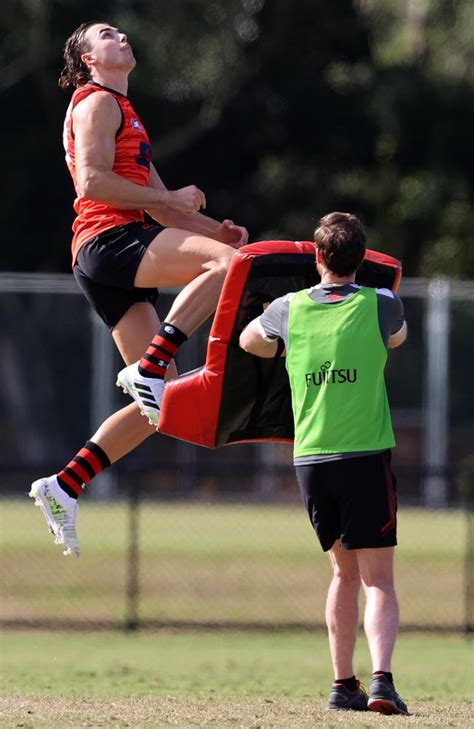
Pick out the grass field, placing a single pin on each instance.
(216, 679)
(212, 563)
(215, 563)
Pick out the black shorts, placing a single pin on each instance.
(353, 500)
(106, 266)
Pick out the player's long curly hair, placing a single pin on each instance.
(75, 72)
(341, 239)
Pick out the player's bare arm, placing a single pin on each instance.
(252, 340)
(96, 121)
(225, 232)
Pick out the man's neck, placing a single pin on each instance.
(116, 81)
(327, 277)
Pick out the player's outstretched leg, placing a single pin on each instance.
(60, 511)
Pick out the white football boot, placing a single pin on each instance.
(60, 511)
(146, 391)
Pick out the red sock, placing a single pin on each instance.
(161, 351)
(86, 464)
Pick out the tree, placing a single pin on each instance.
(280, 111)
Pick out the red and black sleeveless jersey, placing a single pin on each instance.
(132, 161)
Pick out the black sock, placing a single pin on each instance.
(388, 675)
(351, 684)
(161, 351)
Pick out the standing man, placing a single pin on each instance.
(336, 336)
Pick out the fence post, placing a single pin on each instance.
(132, 591)
(469, 576)
(467, 487)
(436, 393)
(268, 471)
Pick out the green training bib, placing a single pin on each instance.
(335, 361)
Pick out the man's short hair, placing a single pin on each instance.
(341, 239)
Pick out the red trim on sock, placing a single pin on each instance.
(70, 482)
(92, 459)
(153, 368)
(162, 350)
(77, 468)
(159, 341)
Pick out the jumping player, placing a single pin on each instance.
(119, 260)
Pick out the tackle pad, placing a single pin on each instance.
(237, 397)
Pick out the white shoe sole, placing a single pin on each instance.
(56, 530)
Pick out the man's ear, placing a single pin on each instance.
(318, 255)
(86, 58)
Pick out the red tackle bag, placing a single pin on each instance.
(237, 397)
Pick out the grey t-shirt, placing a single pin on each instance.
(274, 324)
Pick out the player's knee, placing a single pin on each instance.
(220, 265)
(349, 574)
(381, 582)
(227, 255)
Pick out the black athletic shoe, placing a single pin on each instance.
(384, 699)
(342, 699)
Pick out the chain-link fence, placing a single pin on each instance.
(175, 534)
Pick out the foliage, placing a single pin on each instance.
(280, 111)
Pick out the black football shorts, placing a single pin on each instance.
(352, 499)
(106, 266)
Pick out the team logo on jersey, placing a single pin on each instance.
(136, 124)
(144, 158)
(328, 375)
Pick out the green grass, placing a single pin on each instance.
(218, 679)
(215, 563)
(211, 563)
